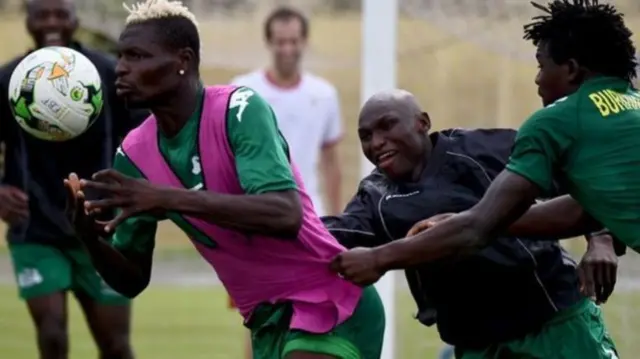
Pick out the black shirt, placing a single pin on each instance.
(38, 167)
(509, 289)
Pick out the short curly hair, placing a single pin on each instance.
(593, 34)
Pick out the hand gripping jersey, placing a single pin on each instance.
(254, 269)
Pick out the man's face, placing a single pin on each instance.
(146, 72)
(393, 141)
(51, 22)
(286, 44)
(553, 80)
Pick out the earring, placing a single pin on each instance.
(181, 72)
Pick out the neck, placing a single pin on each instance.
(173, 113)
(284, 78)
(424, 161)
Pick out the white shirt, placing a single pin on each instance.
(309, 118)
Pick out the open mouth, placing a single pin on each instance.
(53, 39)
(384, 159)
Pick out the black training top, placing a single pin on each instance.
(506, 290)
(38, 167)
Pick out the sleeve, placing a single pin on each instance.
(260, 150)
(540, 146)
(137, 233)
(333, 126)
(355, 227)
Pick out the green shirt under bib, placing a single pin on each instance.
(590, 140)
(261, 157)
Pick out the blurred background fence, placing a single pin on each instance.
(464, 59)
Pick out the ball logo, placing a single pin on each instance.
(76, 94)
(55, 93)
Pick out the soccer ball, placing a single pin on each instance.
(55, 93)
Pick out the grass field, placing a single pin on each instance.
(194, 323)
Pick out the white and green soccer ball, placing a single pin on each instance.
(55, 93)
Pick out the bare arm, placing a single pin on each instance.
(127, 272)
(561, 217)
(273, 213)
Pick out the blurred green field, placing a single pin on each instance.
(195, 323)
(172, 322)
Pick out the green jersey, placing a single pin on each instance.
(261, 159)
(590, 140)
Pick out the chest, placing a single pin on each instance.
(301, 115)
(457, 186)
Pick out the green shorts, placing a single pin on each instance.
(578, 332)
(359, 337)
(41, 270)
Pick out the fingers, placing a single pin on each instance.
(587, 280)
(121, 217)
(108, 175)
(102, 204)
(420, 227)
(100, 186)
(613, 279)
(608, 275)
(18, 194)
(336, 264)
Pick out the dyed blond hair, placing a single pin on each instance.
(158, 9)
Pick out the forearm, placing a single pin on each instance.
(121, 273)
(561, 217)
(445, 239)
(273, 214)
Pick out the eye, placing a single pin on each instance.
(364, 135)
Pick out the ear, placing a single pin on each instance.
(186, 60)
(424, 122)
(575, 72)
(76, 23)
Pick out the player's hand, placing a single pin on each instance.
(14, 205)
(83, 222)
(131, 195)
(428, 223)
(358, 265)
(598, 269)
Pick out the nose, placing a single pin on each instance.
(122, 68)
(537, 79)
(377, 141)
(52, 22)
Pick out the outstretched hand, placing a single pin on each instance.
(131, 195)
(84, 223)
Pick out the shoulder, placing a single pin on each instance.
(374, 184)
(245, 105)
(481, 138)
(248, 79)
(7, 70)
(563, 108)
(319, 86)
